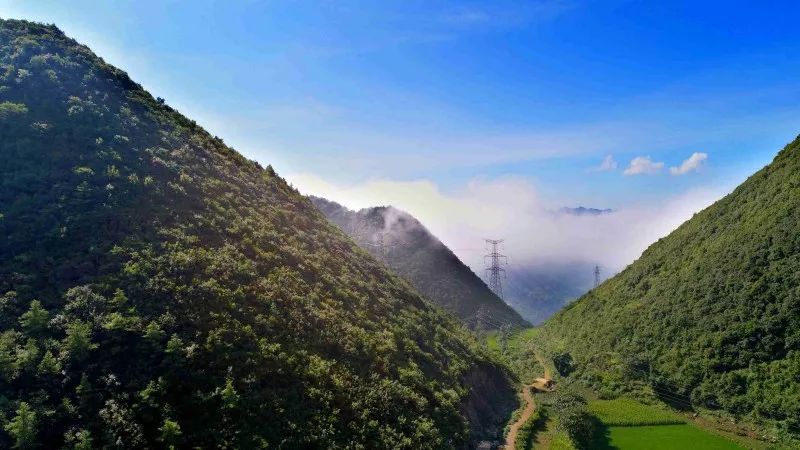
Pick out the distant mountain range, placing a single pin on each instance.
(411, 251)
(583, 211)
(539, 291)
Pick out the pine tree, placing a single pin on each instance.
(34, 321)
(49, 365)
(23, 427)
(170, 433)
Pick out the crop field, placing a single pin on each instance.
(626, 424)
(657, 437)
(627, 412)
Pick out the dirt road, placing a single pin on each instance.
(530, 406)
(511, 439)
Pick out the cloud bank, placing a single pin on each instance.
(691, 164)
(510, 208)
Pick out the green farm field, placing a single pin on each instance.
(658, 437)
(627, 412)
(626, 424)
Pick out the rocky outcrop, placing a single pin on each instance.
(489, 405)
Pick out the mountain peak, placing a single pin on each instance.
(153, 278)
(412, 251)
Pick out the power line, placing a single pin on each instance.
(671, 392)
(494, 270)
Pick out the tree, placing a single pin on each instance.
(49, 364)
(23, 427)
(78, 440)
(78, 342)
(28, 356)
(170, 433)
(34, 321)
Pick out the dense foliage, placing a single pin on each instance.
(157, 288)
(709, 314)
(526, 436)
(412, 252)
(572, 420)
(520, 352)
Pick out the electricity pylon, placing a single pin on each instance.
(493, 269)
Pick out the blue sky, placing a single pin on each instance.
(450, 92)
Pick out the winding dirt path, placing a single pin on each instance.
(511, 439)
(530, 407)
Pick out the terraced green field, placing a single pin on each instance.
(626, 424)
(627, 412)
(658, 437)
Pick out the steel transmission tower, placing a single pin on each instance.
(493, 269)
(596, 275)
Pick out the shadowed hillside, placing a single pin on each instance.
(412, 252)
(159, 289)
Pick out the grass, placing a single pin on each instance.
(627, 412)
(561, 442)
(625, 424)
(527, 433)
(658, 437)
(523, 337)
(493, 341)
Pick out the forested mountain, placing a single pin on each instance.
(158, 289)
(411, 251)
(538, 291)
(711, 313)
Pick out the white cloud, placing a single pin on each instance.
(693, 163)
(606, 165)
(512, 209)
(643, 165)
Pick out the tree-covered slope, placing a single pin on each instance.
(157, 288)
(412, 252)
(713, 309)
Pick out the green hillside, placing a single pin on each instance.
(709, 315)
(412, 252)
(157, 288)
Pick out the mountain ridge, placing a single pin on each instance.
(710, 311)
(157, 288)
(417, 255)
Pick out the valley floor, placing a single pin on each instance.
(658, 437)
(621, 423)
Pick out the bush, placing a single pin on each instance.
(574, 419)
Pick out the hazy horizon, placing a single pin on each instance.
(477, 118)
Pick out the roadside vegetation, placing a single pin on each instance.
(527, 433)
